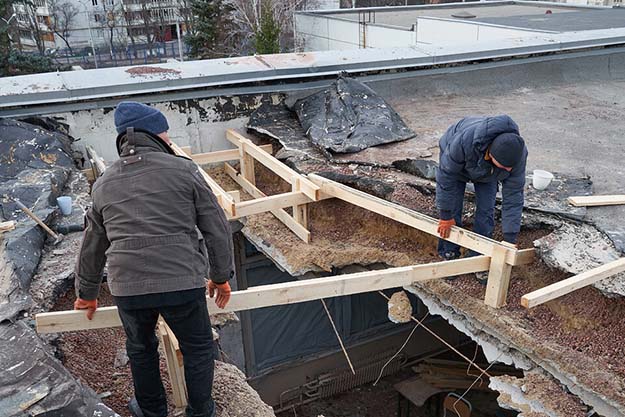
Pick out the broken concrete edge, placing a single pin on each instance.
(533, 395)
(576, 247)
(498, 348)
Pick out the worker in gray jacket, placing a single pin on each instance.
(486, 151)
(147, 208)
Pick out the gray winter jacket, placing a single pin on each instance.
(462, 158)
(143, 220)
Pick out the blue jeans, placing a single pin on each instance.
(191, 325)
(484, 221)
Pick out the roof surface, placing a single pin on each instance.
(407, 16)
(563, 22)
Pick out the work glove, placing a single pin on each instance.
(89, 305)
(223, 293)
(444, 227)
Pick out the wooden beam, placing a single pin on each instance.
(560, 288)
(223, 198)
(246, 163)
(498, 278)
(223, 156)
(280, 214)
(280, 169)
(236, 195)
(284, 293)
(96, 161)
(460, 236)
(525, 256)
(175, 367)
(187, 150)
(7, 226)
(597, 200)
(269, 203)
(300, 212)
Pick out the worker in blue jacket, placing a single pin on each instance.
(485, 151)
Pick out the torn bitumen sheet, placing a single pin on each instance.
(281, 124)
(278, 122)
(33, 382)
(348, 117)
(34, 167)
(579, 247)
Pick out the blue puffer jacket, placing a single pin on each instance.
(462, 151)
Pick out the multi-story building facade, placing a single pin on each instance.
(101, 23)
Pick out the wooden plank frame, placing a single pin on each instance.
(284, 293)
(247, 152)
(299, 230)
(503, 255)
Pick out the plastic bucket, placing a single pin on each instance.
(541, 179)
(65, 204)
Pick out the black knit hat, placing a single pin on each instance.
(138, 115)
(507, 149)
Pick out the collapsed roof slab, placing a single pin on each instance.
(507, 336)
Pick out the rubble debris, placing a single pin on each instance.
(33, 382)
(349, 117)
(421, 167)
(121, 358)
(536, 394)
(399, 308)
(553, 200)
(369, 185)
(34, 167)
(579, 247)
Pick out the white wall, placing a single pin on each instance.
(320, 33)
(445, 31)
(385, 37)
(199, 126)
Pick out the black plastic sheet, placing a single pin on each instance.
(34, 383)
(348, 117)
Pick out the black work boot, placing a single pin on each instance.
(450, 256)
(134, 408)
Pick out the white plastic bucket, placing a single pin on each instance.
(541, 179)
(65, 204)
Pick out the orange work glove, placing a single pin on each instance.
(223, 293)
(89, 305)
(444, 227)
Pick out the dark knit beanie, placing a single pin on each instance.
(138, 115)
(507, 149)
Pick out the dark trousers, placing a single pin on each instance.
(484, 220)
(191, 325)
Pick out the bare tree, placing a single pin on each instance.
(62, 19)
(110, 19)
(186, 15)
(247, 15)
(34, 23)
